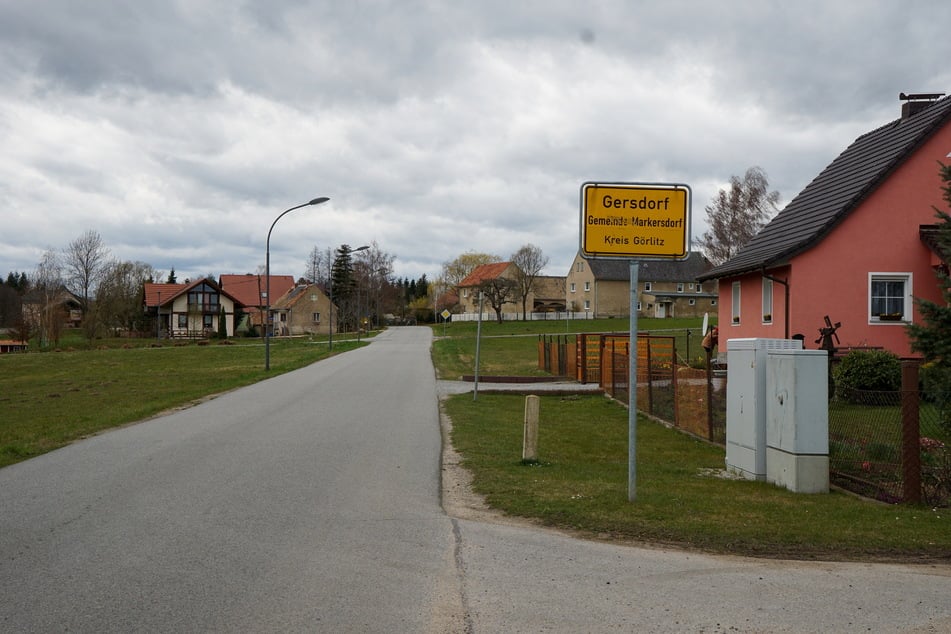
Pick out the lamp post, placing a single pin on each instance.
(330, 344)
(267, 274)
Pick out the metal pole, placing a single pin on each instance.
(632, 392)
(475, 387)
(267, 274)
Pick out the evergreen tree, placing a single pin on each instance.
(222, 324)
(343, 286)
(932, 337)
(171, 277)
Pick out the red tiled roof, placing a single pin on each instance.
(171, 291)
(168, 292)
(484, 272)
(245, 288)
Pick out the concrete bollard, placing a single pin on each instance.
(530, 432)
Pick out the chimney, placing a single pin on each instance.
(916, 102)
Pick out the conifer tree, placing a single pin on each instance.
(932, 337)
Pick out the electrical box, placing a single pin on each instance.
(746, 403)
(797, 420)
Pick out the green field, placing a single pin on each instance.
(49, 399)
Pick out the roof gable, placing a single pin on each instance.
(293, 296)
(168, 292)
(483, 273)
(164, 292)
(248, 290)
(837, 191)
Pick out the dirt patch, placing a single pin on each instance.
(458, 498)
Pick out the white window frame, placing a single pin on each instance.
(767, 301)
(680, 287)
(572, 287)
(315, 317)
(587, 304)
(587, 286)
(907, 302)
(735, 311)
(647, 287)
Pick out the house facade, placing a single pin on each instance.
(250, 292)
(666, 288)
(303, 310)
(191, 310)
(851, 246)
(469, 287)
(548, 294)
(58, 308)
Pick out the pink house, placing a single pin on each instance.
(853, 245)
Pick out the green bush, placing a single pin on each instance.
(867, 370)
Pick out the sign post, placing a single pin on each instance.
(634, 222)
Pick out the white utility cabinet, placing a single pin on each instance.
(797, 420)
(746, 403)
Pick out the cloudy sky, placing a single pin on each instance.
(179, 130)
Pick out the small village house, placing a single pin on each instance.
(191, 310)
(853, 245)
(546, 295)
(601, 288)
(303, 310)
(250, 291)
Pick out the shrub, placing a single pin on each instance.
(867, 370)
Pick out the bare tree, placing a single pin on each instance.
(737, 214)
(316, 264)
(372, 269)
(498, 291)
(47, 294)
(119, 300)
(83, 262)
(529, 262)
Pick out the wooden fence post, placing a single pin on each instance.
(530, 430)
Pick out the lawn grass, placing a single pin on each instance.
(49, 399)
(511, 348)
(580, 483)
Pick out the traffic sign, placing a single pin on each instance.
(643, 221)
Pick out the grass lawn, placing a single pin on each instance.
(580, 483)
(49, 399)
(512, 346)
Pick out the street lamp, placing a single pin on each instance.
(330, 344)
(267, 274)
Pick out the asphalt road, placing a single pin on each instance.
(311, 503)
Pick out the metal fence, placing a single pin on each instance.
(689, 398)
(892, 446)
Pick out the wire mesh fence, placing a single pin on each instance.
(871, 446)
(866, 441)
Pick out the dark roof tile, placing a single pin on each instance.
(836, 191)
